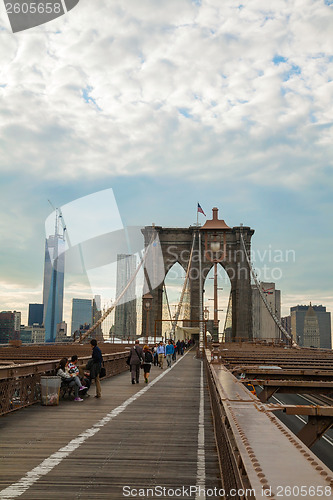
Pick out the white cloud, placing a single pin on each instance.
(144, 66)
(218, 92)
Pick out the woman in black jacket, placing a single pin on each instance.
(148, 361)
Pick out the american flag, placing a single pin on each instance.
(200, 210)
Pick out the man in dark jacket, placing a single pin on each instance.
(95, 364)
(135, 361)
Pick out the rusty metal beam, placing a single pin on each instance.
(315, 428)
(267, 393)
(324, 411)
(287, 374)
(265, 451)
(269, 390)
(302, 384)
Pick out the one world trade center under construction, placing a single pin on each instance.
(53, 290)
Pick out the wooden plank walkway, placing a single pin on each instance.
(152, 442)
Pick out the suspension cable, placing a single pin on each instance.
(268, 307)
(112, 307)
(175, 321)
(168, 303)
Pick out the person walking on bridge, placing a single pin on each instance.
(161, 354)
(136, 357)
(148, 361)
(169, 350)
(94, 365)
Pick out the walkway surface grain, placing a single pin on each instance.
(150, 442)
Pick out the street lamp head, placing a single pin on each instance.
(215, 246)
(147, 300)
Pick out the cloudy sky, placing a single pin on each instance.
(171, 102)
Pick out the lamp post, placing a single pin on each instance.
(206, 314)
(206, 318)
(215, 252)
(147, 302)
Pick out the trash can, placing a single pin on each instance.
(50, 389)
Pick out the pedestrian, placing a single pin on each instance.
(72, 366)
(71, 379)
(169, 350)
(79, 371)
(155, 355)
(136, 358)
(174, 356)
(94, 366)
(161, 354)
(148, 361)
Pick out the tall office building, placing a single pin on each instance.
(263, 324)
(32, 334)
(125, 314)
(53, 291)
(10, 326)
(81, 313)
(286, 323)
(311, 326)
(96, 315)
(35, 316)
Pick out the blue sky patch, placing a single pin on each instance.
(294, 70)
(185, 112)
(279, 59)
(85, 94)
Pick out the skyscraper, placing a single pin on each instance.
(81, 313)
(125, 314)
(96, 315)
(10, 325)
(53, 291)
(311, 326)
(264, 326)
(35, 316)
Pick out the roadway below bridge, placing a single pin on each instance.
(135, 437)
(323, 448)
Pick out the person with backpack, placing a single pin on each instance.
(148, 361)
(135, 360)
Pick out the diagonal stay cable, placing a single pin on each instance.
(175, 321)
(275, 318)
(121, 295)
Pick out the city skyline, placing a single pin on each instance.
(258, 257)
(172, 104)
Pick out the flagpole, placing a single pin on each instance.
(197, 214)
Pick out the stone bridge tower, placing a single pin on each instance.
(176, 244)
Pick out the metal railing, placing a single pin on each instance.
(232, 471)
(20, 384)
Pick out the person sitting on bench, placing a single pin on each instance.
(71, 379)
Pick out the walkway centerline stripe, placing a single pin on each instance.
(22, 485)
(201, 465)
